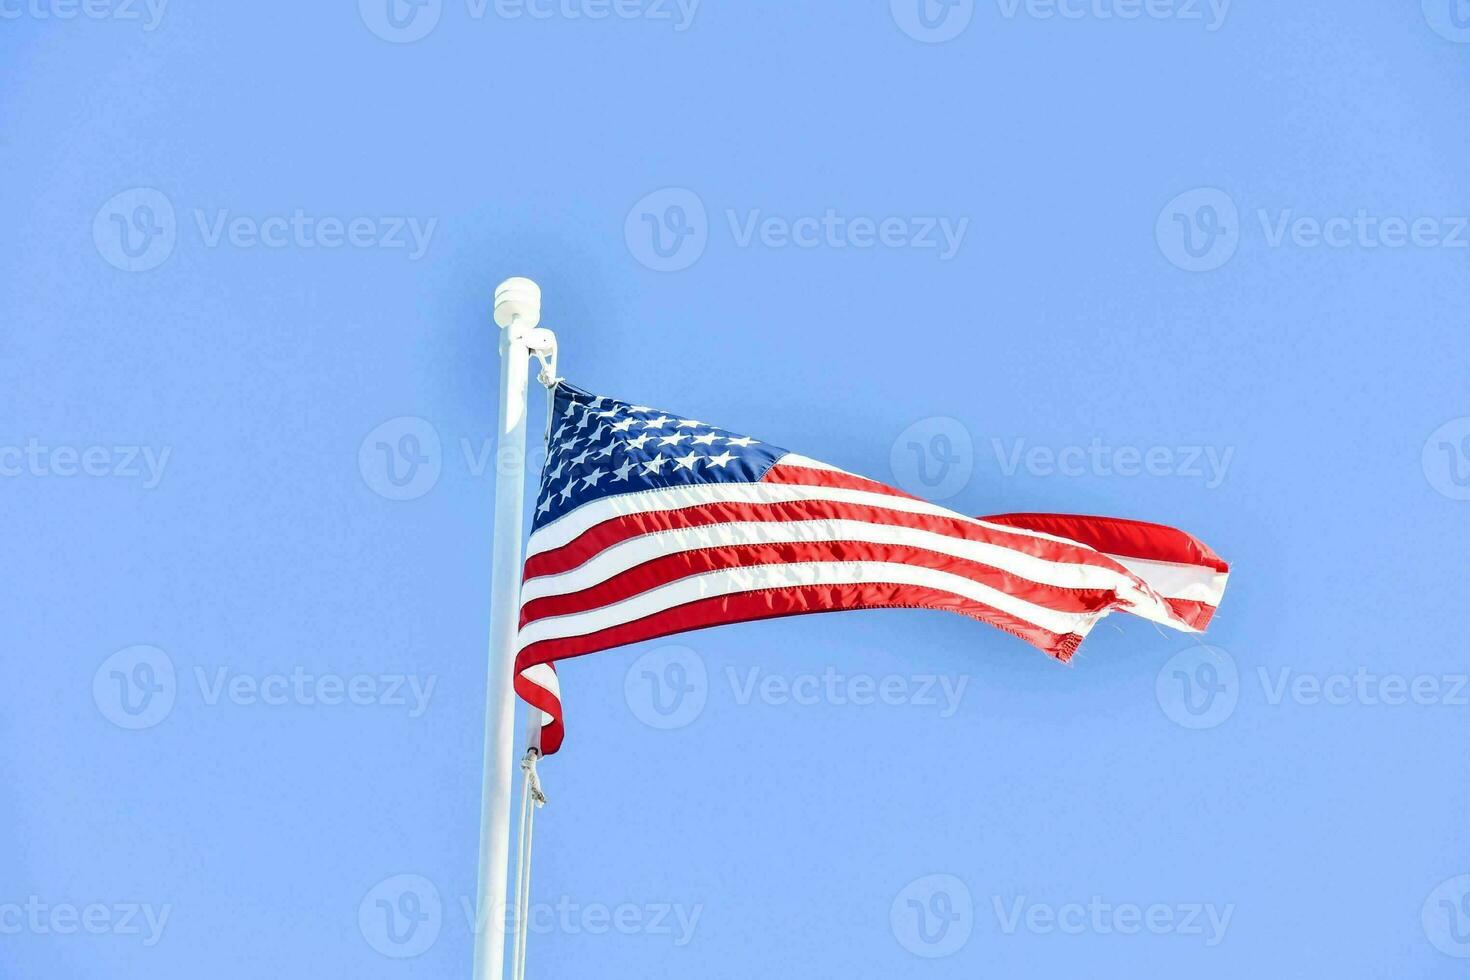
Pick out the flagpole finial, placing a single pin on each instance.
(518, 300)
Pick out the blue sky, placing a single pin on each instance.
(1191, 262)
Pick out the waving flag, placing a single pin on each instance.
(648, 524)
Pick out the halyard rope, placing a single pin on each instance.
(532, 798)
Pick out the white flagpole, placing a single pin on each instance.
(518, 313)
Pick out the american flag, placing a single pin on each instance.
(649, 523)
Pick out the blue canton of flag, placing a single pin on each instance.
(601, 447)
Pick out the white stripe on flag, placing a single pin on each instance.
(632, 552)
(807, 463)
(1174, 580)
(570, 526)
(731, 581)
(544, 677)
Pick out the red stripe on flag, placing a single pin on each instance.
(790, 601)
(668, 568)
(806, 476)
(540, 698)
(1196, 614)
(608, 533)
(1120, 536)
